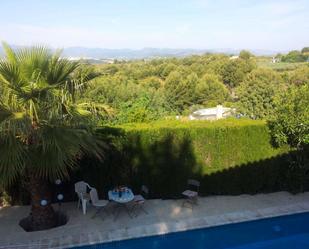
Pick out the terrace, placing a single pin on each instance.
(63, 121)
(164, 216)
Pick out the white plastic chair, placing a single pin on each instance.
(139, 200)
(96, 202)
(81, 189)
(191, 196)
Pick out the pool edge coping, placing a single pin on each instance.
(196, 223)
(161, 228)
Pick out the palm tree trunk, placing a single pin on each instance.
(41, 216)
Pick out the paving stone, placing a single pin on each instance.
(54, 243)
(164, 217)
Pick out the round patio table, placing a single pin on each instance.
(122, 200)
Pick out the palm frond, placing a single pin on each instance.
(12, 158)
(59, 149)
(10, 74)
(7, 114)
(60, 71)
(40, 119)
(9, 53)
(81, 79)
(97, 109)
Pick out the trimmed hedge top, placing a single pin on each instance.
(223, 123)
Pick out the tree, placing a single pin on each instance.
(291, 119)
(233, 72)
(256, 94)
(245, 55)
(167, 69)
(43, 131)
(278, 56)
(294, 56)
(299, 76)
(152, 82)
(113, 90)
(110, 69)
(145, 108)
(210, 91)
(290, 125)
(305, 50)
(179, 91)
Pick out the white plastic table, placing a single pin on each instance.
(122, 200)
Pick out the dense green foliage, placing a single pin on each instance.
(44, 127)
(257, 92)
(159, 88)
(229, 157)
(39, 116)
(305, 50)
(245, 54)
(295, 56)
(234, 71)
(207, 138)
(211, 91)
(290, 125)
(291, 120)
(300, 76)
(172, 86)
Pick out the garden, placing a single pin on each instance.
(115, 124)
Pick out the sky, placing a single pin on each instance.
(199, 24)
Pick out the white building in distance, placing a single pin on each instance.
(214, 113)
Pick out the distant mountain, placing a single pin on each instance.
(128, 54)
(103, 53)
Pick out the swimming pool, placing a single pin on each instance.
(284, 232)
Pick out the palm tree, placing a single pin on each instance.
(44, 130)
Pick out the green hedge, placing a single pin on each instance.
(215, 145)
(228, 157)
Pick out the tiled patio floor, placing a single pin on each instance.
(164, 216)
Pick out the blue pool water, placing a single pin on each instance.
(284, 232)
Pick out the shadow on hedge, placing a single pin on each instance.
(264, 176)
(166, 164)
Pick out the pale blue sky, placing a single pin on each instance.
(207, 24)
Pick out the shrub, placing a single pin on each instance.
(294, 56)
(290, 125)
(256, 93)
(229, 157)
